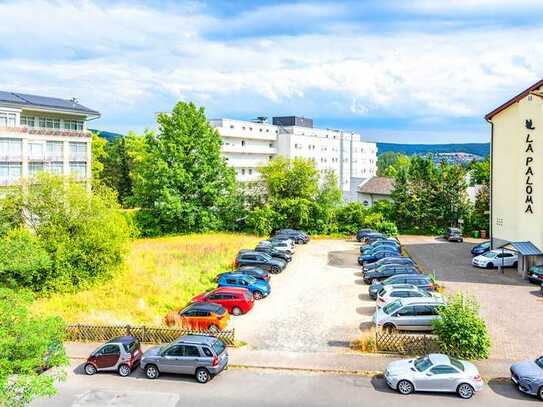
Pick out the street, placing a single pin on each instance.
(240, 387)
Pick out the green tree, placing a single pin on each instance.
(480, 172)
(297, 178)
(28, 344)
(98, 146)
(350, 217)
(329, 198)
(389, 163)
(481, 209)
(182, 182)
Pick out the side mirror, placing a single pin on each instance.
(429, 374)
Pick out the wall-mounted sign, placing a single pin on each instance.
(529, 172)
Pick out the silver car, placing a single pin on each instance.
(409, 314)
(434, 372)
(198, 355)
(390, 293)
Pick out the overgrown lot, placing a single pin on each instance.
(160, 274)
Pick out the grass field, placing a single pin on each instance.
(159, 275)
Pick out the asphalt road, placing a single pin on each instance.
(242, 387)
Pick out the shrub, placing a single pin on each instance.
(262, 220)
(387, 227)
(350, 217)
(461, 331)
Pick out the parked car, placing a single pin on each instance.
(481, 248)
(283, 238)
(261, 260)
(252, 271)
(372, 237)
(408, 314)
(201, 356)
(258, 288)
(420, 280)
(237, 301)
(285, 246)
(528, 376)
(386, 271)
(495, 258)
(121, 354)
(380, 243)
(434, 372)
(454, 235)
(378, 249)
(389, 260)
(535, 274)
(362, 233)
(278, 254)
(204, 316)
(378, 255)
(392, 292)
(299, 236)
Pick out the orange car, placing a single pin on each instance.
(201, 316)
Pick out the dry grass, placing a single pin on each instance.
(365, 342)
(159, 275)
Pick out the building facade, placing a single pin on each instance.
(517, 176)
(375, 189)
(40, 133)
(248, 145)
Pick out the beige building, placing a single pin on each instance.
(517, 176)
(375, 189)
(39, 133)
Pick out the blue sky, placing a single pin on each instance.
(418, 71)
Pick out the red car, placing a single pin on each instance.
(121, 354)
(237, 301)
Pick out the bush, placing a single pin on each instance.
(386, 227)
(461, 331)
(262, 220)
(350, 218)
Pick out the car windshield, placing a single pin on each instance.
(490, 255)
(539, 362)
(457, 364)
(218, 347)
(423, 363)
(392, 307)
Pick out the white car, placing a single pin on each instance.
(392, 292)
(409, 314)
(495, 258)
(284, 246)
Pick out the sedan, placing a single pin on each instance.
(434, 372)
(389, 260)
(481, 248)
(528, 376)
(386, 271)
(495, 258)
(362, 233)
(535, 274)
(422, 281)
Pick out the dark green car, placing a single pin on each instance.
(535, 274)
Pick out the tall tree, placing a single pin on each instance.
(99, 153)
(182, 182)
(389, 163)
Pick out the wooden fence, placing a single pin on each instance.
(145, 334)
(407, 344)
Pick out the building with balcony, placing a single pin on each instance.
(248, 145)
(39, 133)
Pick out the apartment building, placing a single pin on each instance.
(39, 133)
(250, 144)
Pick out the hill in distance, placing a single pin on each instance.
(479, 149)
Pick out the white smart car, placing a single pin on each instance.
(495, 258)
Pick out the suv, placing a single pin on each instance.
(122, 354)
(201, 356)
(454, 235)
(362, 233)
(237, 301)
(258, 288)
(298, 236)
(259, 259)
(386, 271)
(278, 254)
(377, 255)
(389, 260)
(420, 280)
(409, 314)
(204, 316)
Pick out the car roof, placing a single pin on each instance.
(499, 251)
(204, 306)
(236, 290)
(422, 301)
(439, 359)
(198, 339)
(408, 275)
(248, 251)
(122, 339)
(391, 287)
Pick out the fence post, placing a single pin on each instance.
(128, 330)
(143, 333)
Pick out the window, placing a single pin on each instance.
(443, 369)
(191, 351)
(406, 312)
(28, 121)
(250, 171)
(219, 347)
(10, 149)
(207, 352)
(10, 172)
(110, 350)
(74, 125)
(176, 351)
(78, 170)
(243, 171)
(78, 151)
(36, 151)
(7, 119)
(231, 126)
(132, 346)
(34, 168)
(54, 150)
(49, 123)
(56, 168)
(423, 363)
(242, 142)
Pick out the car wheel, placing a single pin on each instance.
(236, 311)
(465, 391)
(151, 371)
(202, 375)
(90, 369)
(257, 295)
(389, 328)
(275, 270)
(405, 387)
(489, 265)
(213, 328)
(124, 370)
(540, 393)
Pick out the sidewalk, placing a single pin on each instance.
(332, 362)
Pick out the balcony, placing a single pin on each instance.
(249, 149)
(44, 132)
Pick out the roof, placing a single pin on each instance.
(197, 339)
(122, 339)
(439, 359)
(377, 185)
(204, 306)
(236, 290)
(28, 101)
(526, 248)
(518, 97)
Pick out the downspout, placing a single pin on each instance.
(490, 231)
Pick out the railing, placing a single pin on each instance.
(145, 334)
(407, 344)
(45, 132)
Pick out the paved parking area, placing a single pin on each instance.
(511, 306)
(319, 303)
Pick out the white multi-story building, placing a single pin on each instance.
(40, 133)
(248, 145)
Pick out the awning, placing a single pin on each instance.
(526, 248)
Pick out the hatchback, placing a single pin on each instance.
(420, 280)
(435, 372)
(261, 260)
(409, 314)
(258, 288)
(392, 292)
(386, 271)
(121, 354)
(380, 242)
(535, 274)
(299, 236)
(373, 237)
(454, 235)
(252, 271)
(495, 258)
(270, 251)
(237, 301)
(389, 260)
(200, 356)
(204, 316)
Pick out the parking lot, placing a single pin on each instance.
(510, 305)
(319, 303)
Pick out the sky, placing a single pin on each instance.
(418, 71)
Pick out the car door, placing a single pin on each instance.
(442, 378)
(172, 360)
(190, 360)
(108, 356)
(424, 317)
(404, 318)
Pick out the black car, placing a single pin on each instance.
(386, 271)
(389, 260)
(481, 248)
(273, 252)
(362, 233)
(252, 271)
(454, 235)
(262, 260)
(420, 280)
(298, 236)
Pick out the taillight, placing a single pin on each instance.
(215, 361)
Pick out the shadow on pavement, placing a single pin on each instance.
(343, 259)
(508, 390)
(370, 310)
(339, 344)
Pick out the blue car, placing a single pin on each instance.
(379, 243)
(481, 248)
(374, 249)
(378, 255)
(258, 288)
(528, 376)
